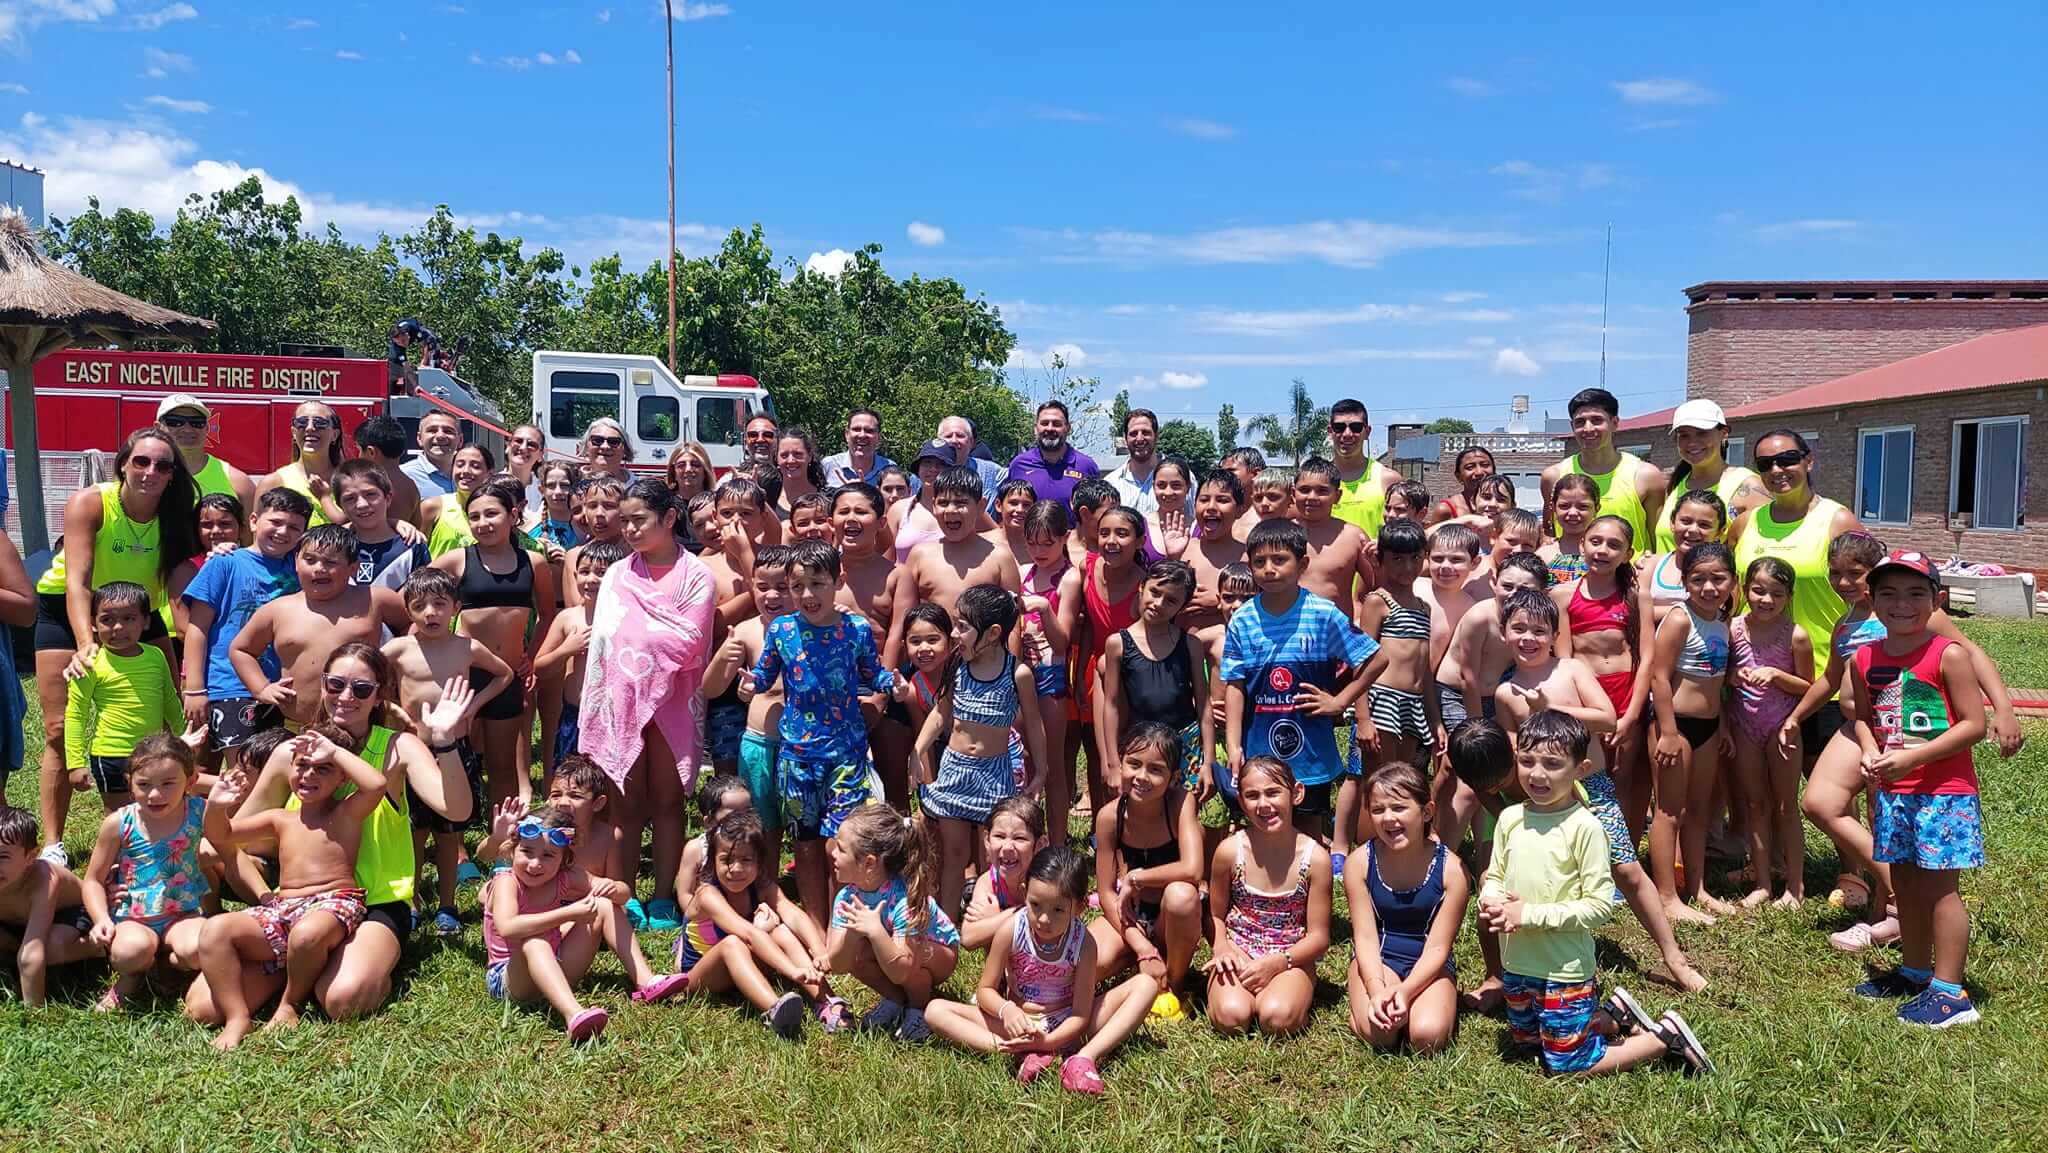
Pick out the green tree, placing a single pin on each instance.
(1226, 428)
(1300, 432)
(1119, 413)
(1191, 442)
(1448, 424)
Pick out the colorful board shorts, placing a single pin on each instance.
(757, 768)
(278, 917)
(1556, 1019)
(725, 722)
(1928, 831)
(818, 792)
(968, 788)
(1605, 804)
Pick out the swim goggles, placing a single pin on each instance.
(560, 836)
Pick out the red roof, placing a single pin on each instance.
(2014, 356)
(1660, 419)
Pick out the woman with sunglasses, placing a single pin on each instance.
(1701, 432)
(604, 448)
(1796, 526)
(138, 527)
(524, 450)
(356, 687)
(316, 448)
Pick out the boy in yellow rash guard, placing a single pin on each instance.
(126, 693)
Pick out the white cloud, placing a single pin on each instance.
(1168, 380)
(1322, 357)
(1664, 90)
(301, 24)
(1063, 115)
(11, 87)
(159, 63)
(1788, 227)
(544, 58)
(1514, 362)
(604, 16)
(1461, 297)
(16, 17)
(1470, 88)
(474, 58)
(197, 107)
(571, 57)
(686, 12)
(833, 263)
(1281, 322)
(1342, 243)
(925, 235)
(1202, 129)
(1030, 359)
(151, 21)
(1535, 182)
(1126, 310)
(347, 54)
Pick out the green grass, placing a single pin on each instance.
(2018, 647)
(1804, 1065)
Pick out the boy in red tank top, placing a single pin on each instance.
(1919, 710)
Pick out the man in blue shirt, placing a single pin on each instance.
(860, 461)
(1285, 656)
(439, 438)
(1052, 465)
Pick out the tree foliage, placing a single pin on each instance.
(1448, 424)
(915, 350)
(1302, 431)
(1226, 428)
(1191, 442)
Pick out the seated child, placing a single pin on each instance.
(1407, 905)
(887, 930)
(124, 695)
(1037, 993)
(149, 850)
(1148, 864)
(544, 919)
(580, 789)
(718, 796)
(43, 921)
(740, 920)
(1014, 834)
(1269, 910)
(1546, 890)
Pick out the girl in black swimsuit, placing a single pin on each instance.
(1148, 861)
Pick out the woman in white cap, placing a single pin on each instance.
(1701, 430)
(187, 418)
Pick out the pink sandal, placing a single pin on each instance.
(1033, 1065)
(585, 1026)
(110, 1001)
(661, 988)
(1080, 1075)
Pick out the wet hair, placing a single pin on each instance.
(1094, 494)
(490, 459)
(426, 585)
(606, 552)
(1458, 462)
(814, 557)
(1598, 398)
(1247, 456)
(382, 433)
(286, 501)
(550, 817)
(816, 502)
(1046, 518)
(741, 488)
(505, 491)
(1858, 548)
(1063, 869)
(338, 539)
(1462, 537)
(1536, 604)
(1703, 553)
(162, 746)
(1412, 493)
(1152, 735)
(1173, 573)
(986, 606)
(957, 481)
(713, 789)
(1236, 573)
(331, 731)
(364, 470)
(1025, 809)
(1318, 467)
(611, 481)
(1012, 486)
(1552, 728)
(1277, 532)
(1705, 498)
(1518, 519)
(1403, 780)
(659, 498)
(1401, 536)
(1527, 562)
(1498, 487)
(908, 847)
(1575, 482)
(1226, 480)
(1178, 464)
(1273, 767)
(698, 503)
(859, 488)
(230, 504)
(256, 751)
(580, 772)
(176, 519)
(18, 827)
(1481, 755)
(772, 556)
(1773, 567)
(736, 829)
(121, 594)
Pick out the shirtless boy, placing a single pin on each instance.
(1219, 543)
(596, 499)
(1337, 559)
(939, 570)
(306, 627)
(761, 744)
(558, 659)
(43, 921)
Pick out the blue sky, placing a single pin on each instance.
(1194, 201)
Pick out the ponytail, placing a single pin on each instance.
(920, 869)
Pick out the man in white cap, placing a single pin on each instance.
(188, 418)
(1700, 430)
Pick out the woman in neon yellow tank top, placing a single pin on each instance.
(316, 448)
(1797, 526)
(139, 527)
(1701, 432)
(356, 684)
(446, 522)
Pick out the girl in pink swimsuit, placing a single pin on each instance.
(1773, 663)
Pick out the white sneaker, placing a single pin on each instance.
(1863, 935)
(55, 855)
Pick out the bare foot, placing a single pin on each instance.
(286, 1017)
(1678, 911)
(1686, 977)
(1755, 897)
(231, 1034)
(1790, 900)
(1487, 999)
(1717, 906)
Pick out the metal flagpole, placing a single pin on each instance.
(671, 29)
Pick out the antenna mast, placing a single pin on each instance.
(1606, 270)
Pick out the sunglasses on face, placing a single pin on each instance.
(532, 830)
(1780, 460)
(606, 441)
(162, 464)
(182, 421)
(345, 687)
(760, 436)
(526, 444)
(311, 423)
(1347, 426)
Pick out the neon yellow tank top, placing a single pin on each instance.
(1363, 502)
(122, 551)
(384, 860)
(451, 529)
(1620, 500)
(293, 477)
(1731, 479)
(1803, 544)
(213, 478)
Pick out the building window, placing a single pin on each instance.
(1884, 475)
(657, 418)
(720, 419)
(577, 398)
(1987, 476)
(1642, 450)
(1737, 451)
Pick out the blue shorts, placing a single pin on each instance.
(1556, 1019)
(818, 792)
(494, 979)
(724, 723)
(1050, 679)
(757, 769)
(1928, 831)
(969, 788)
(567, 730)
(1602, 802)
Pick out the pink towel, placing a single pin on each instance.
(649, 642)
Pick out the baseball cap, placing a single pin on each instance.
(1911, 560)
(1701, 413)
(938, 450)
(178, 400)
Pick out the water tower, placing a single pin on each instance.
(1518, 414)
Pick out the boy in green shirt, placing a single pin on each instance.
(125, 694)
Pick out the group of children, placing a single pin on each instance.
(1548, 687)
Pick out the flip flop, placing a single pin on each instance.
(585, 1026)
(661, 988)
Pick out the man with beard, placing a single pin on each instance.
(1630, 487)
(1133, 481)
(187, 418)
(1052, 465)
(760, 442)
(1362, 481)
